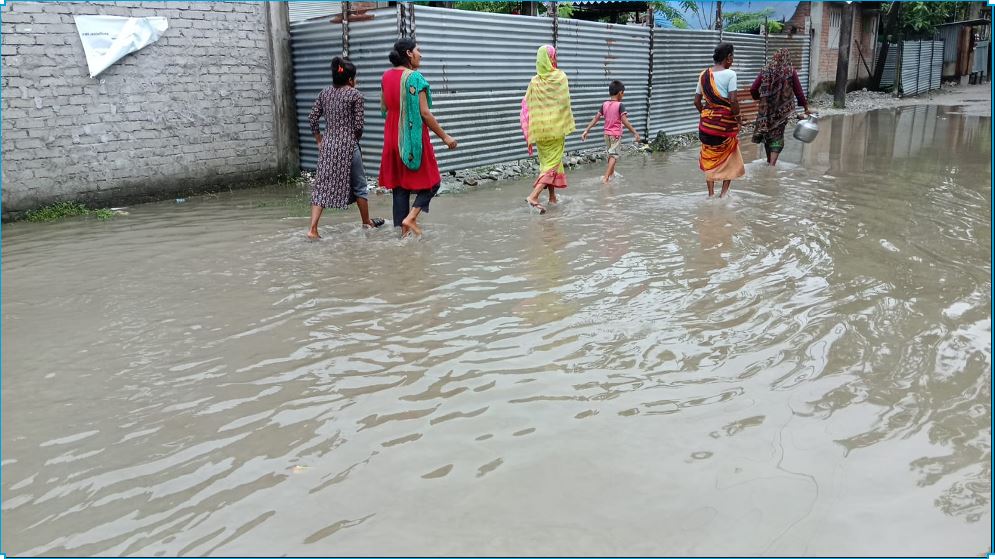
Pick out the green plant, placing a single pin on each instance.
(921, 18)
(491, 7)
(750, 22)
(103, 214)
(62, 210)
(57, 211)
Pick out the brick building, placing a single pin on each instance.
(205, 106)
(822, 21)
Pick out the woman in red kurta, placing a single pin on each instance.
(409, 109)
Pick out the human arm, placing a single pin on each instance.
(314, 119)
(796, 84)
(755, 88)
(359, 109)
(432, 123)
(587, 130)
(697, 102)
(627, 124)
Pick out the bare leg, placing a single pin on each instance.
(534, 197)
(767, 151)
(711, 188)
(312, 233)
(610, 172)
(552, 194)
(773, 158)
(364, 210)
(410, 223)
(725, 188)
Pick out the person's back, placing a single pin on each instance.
(725, 82)
(615, 115)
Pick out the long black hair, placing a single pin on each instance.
(399, 55)
(343, 70)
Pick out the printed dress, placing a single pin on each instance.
(342, 108)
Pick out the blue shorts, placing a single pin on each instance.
(357, 178)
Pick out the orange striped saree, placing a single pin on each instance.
(718, 130)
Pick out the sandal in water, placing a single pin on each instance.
(540, 207)
(374, 223)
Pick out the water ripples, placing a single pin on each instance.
(197, 380)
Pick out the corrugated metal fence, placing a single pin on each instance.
(922, 66)
(479, 65)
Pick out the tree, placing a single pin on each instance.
(491, 7)
(675, 11)
(669, 13)
(919, 19)
(750, 22)
(563, 9)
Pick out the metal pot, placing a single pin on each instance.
(806, 130)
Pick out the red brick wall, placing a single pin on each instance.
(829, 55)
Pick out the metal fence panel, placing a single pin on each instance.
(593, 54)
(936, 72)
(980, 57)
(925, 64)
(479, 65)
(313, 44)
(910, 67)
(370, 42)
(679, 58)
(890, 64)
(922, 66)
(300, 11)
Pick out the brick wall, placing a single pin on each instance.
(829, 55)
(190, 112)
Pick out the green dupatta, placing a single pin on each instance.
(409, 129)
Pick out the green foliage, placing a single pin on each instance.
(675, 16)
(563, 9)
(57, 211)
(63, 210)
(103, 214)
(674, 11)
(491, 7)
(750, 22)
(921, 18)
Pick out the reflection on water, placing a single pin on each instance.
(803, 368)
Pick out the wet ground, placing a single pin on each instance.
(801, 369)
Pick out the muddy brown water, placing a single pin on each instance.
(802, 369)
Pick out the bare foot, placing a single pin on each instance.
(535, 204)
(553, 199)
(313, 235)
(411, 226)
(604, 180)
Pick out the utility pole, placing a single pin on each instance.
(346, 6)
(843, 62)
(890, 33)
(718, 18)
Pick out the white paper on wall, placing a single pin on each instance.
(107, 39)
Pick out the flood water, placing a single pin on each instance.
(802, 369)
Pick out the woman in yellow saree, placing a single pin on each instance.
(546, 120)
(718, 127)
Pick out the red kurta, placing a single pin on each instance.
(393, 172)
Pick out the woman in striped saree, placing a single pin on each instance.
(718, 127)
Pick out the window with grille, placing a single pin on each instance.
(835, 18)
